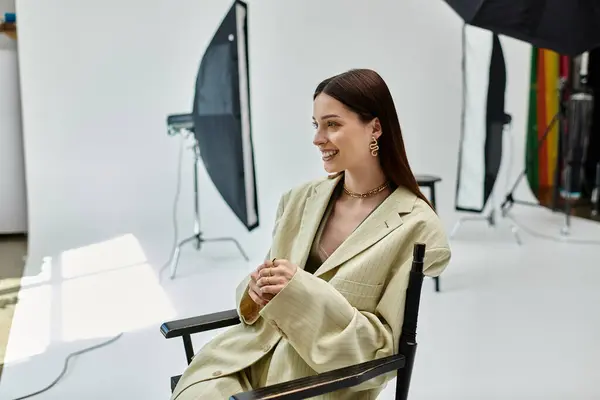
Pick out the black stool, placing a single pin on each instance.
(429, 181)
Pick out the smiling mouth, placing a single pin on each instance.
(329, 154)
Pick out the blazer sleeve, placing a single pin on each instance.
(329, 333)
(246, 307)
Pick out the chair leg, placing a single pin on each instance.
(432, 194)
(189, 348)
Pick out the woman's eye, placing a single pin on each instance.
(330, 124)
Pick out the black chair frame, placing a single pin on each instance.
(334, 380)
(429, 182)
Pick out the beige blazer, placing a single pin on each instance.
(350, 311)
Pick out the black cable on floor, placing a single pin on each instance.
(66, 365)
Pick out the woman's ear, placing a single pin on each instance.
(376, 128)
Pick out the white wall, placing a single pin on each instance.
(99, 78)
(13, 201)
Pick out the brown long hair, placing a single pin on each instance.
(365, 92)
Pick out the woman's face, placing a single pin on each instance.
(341, 136)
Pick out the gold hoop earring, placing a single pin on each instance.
(374, 146)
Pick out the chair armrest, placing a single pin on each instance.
(199, 324)
(326, 382)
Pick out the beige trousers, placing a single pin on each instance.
(223, 387)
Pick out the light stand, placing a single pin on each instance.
(510, 200)
(183, 124)
(574, 116)
(494, 205)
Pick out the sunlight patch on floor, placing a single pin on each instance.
(95, 291)
(34, 322)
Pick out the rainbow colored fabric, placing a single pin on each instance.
(547, 67)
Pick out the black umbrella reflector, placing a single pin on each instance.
(569, 27)
(221, 116)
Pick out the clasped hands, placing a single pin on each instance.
(269, 279)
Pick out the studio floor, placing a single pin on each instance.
(512, 321)
(13, 249)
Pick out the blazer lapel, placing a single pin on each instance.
(381, 222)
(314, 209)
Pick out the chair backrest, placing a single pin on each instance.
(408, 338)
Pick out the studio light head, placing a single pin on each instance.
(179, 122)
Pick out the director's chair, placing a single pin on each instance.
(334, 380)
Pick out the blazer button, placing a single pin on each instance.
(217, 373)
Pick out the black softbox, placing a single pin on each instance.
(221, 115)
(483, 118)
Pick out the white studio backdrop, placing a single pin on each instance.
(13, 201)
(99, 78)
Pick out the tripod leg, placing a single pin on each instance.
(456, 228)
(565, 230)
(175, 259)
(230, 239)
(558, 168)
(175, 262)
(515, 231)
(509, 200)
(242, 252)
(197, 196)
(462, 220)
(491, 219)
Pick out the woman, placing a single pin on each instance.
(331, 293)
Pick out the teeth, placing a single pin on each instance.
(329, 153)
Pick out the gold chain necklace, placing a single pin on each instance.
(370, 193)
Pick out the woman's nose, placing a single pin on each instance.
(319, 139)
